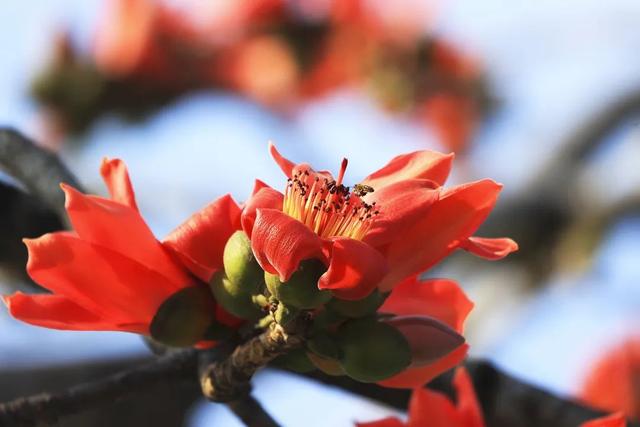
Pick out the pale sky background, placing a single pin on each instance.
(551, 63)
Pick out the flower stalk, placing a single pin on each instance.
(230, 380)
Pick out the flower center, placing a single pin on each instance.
(326, 206)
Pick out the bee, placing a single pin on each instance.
(361, 190)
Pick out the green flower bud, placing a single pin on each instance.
(301, 290)
(360, 308)
(295, 360)
(326, 319)
(232, 299)
(184, 318)
(325, 364)
(372, 351)
(240, 265)
(325, 345)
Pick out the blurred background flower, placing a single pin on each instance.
(543, 97)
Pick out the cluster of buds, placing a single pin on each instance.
(347, 337)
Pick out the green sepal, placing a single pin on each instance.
(326, 319)
(240, 266)
(301, 290)
(325, 345)
(228, 296)
(359, 308)
(184, 318)
(284, 314)
(372, 350)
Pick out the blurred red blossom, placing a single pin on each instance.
(614, 382)
(277, 53)
(428, 408)
(432, 409)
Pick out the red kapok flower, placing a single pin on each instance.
(110, 272)
(397, 223)
(428, 408)
(614, 383)
(432, 409)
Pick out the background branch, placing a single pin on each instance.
(37, 211)
(540, 214)
(47, 408)
(506, 401)
(38, 169)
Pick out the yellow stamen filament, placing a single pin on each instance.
(327, 207)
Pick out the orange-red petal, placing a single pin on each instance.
(400, 205)
(442, 299)
(428, 408)
(112, 285)
(285, 164)
(613, 420)
(453, 218)
(199, 241)
(488, 248)
(280, 242)
(59, 312)
(263, 197)
(116, 177)
(120, 228)
(355, 268)
(468, 406)
(424, 164)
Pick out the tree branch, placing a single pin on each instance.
(251, 413)
(224, 377)
(230, 379)
(505, 400)
(21, 215)
(38, 169)
(28, 215)
(171, 369)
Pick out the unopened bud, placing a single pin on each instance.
(295, 360)
(372, 351)
(358, 308)
(325, 345)
(240, 266)
(325, 364)
(301, 290)
(184, 318)
(232, 299)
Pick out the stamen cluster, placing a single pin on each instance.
(328, 207)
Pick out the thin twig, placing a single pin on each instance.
(50, 408)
